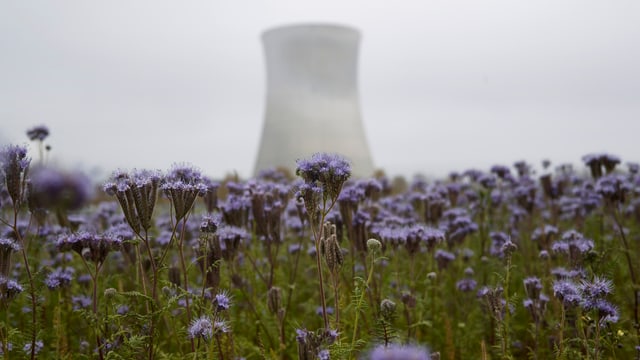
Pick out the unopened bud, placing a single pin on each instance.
(274, 299)
(387, 309)
(374, 245)
(110, 293)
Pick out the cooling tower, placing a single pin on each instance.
(312, 102)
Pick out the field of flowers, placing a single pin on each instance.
(509, 263)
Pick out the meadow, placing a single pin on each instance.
(512, 262)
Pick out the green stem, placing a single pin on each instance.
(359, 303)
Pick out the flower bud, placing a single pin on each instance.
(374, 245)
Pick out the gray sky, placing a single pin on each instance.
(444, 85)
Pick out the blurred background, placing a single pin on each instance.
(444, 85)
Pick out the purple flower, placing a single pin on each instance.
(27, 347)
(81, 302)
(122, 309)
(53, 188)
(93, 247)
(137, 195)
(500, 170)
(14, 165)
(597, 288)
(466, 285)
(532, 286)
(330, 171)
(182, 186)
(201, 327)
(59, 278)
(324, 355)
(567, 291)
(7, 247)
(9, 289)
(443, 258)
(38, 133)
(220, 326)
(396, 352)
(222, 301)
(301, 335)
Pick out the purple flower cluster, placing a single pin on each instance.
(137, 194)
(92, 247)
(38, 133)
(182, 186)
(59, 278)
(53, 188)
(202, 328)
(329, 172)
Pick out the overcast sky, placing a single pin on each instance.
(444, 85)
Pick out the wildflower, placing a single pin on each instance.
(532, 286)
(27, 347)
(229, 239)
(331, 249)
(38, 133)
(387, 310)
(14, 166)
(443, 258)
(613, 188)
(466, 285)
(500, 170)
(330, 170)
(324, 355)
(597, 162)
(9, 289)
(59, 278)
(220, 326)
(81, 302)
(93, 247)
(137, 195)
(53, 188)
(274, 299)
(122, 309)
(222, 301)
(182, 186)
(374, 245)
(567, 291)
(7, 247)
(395, 352)
(201, 327)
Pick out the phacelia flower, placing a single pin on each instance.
(38, 133)
(222, 301)
(201, 327)
(182, 185)
(9, 289)
(14, 165)
(53, 188)
(59, 278)
(7, 247)
(331, 171)
(137, 194)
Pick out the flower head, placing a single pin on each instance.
(38, 133)
(329, 170)
(14, 165)
(222, 301)
(201, 327)
(53, 188)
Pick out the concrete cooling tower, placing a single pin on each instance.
(312, 102)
